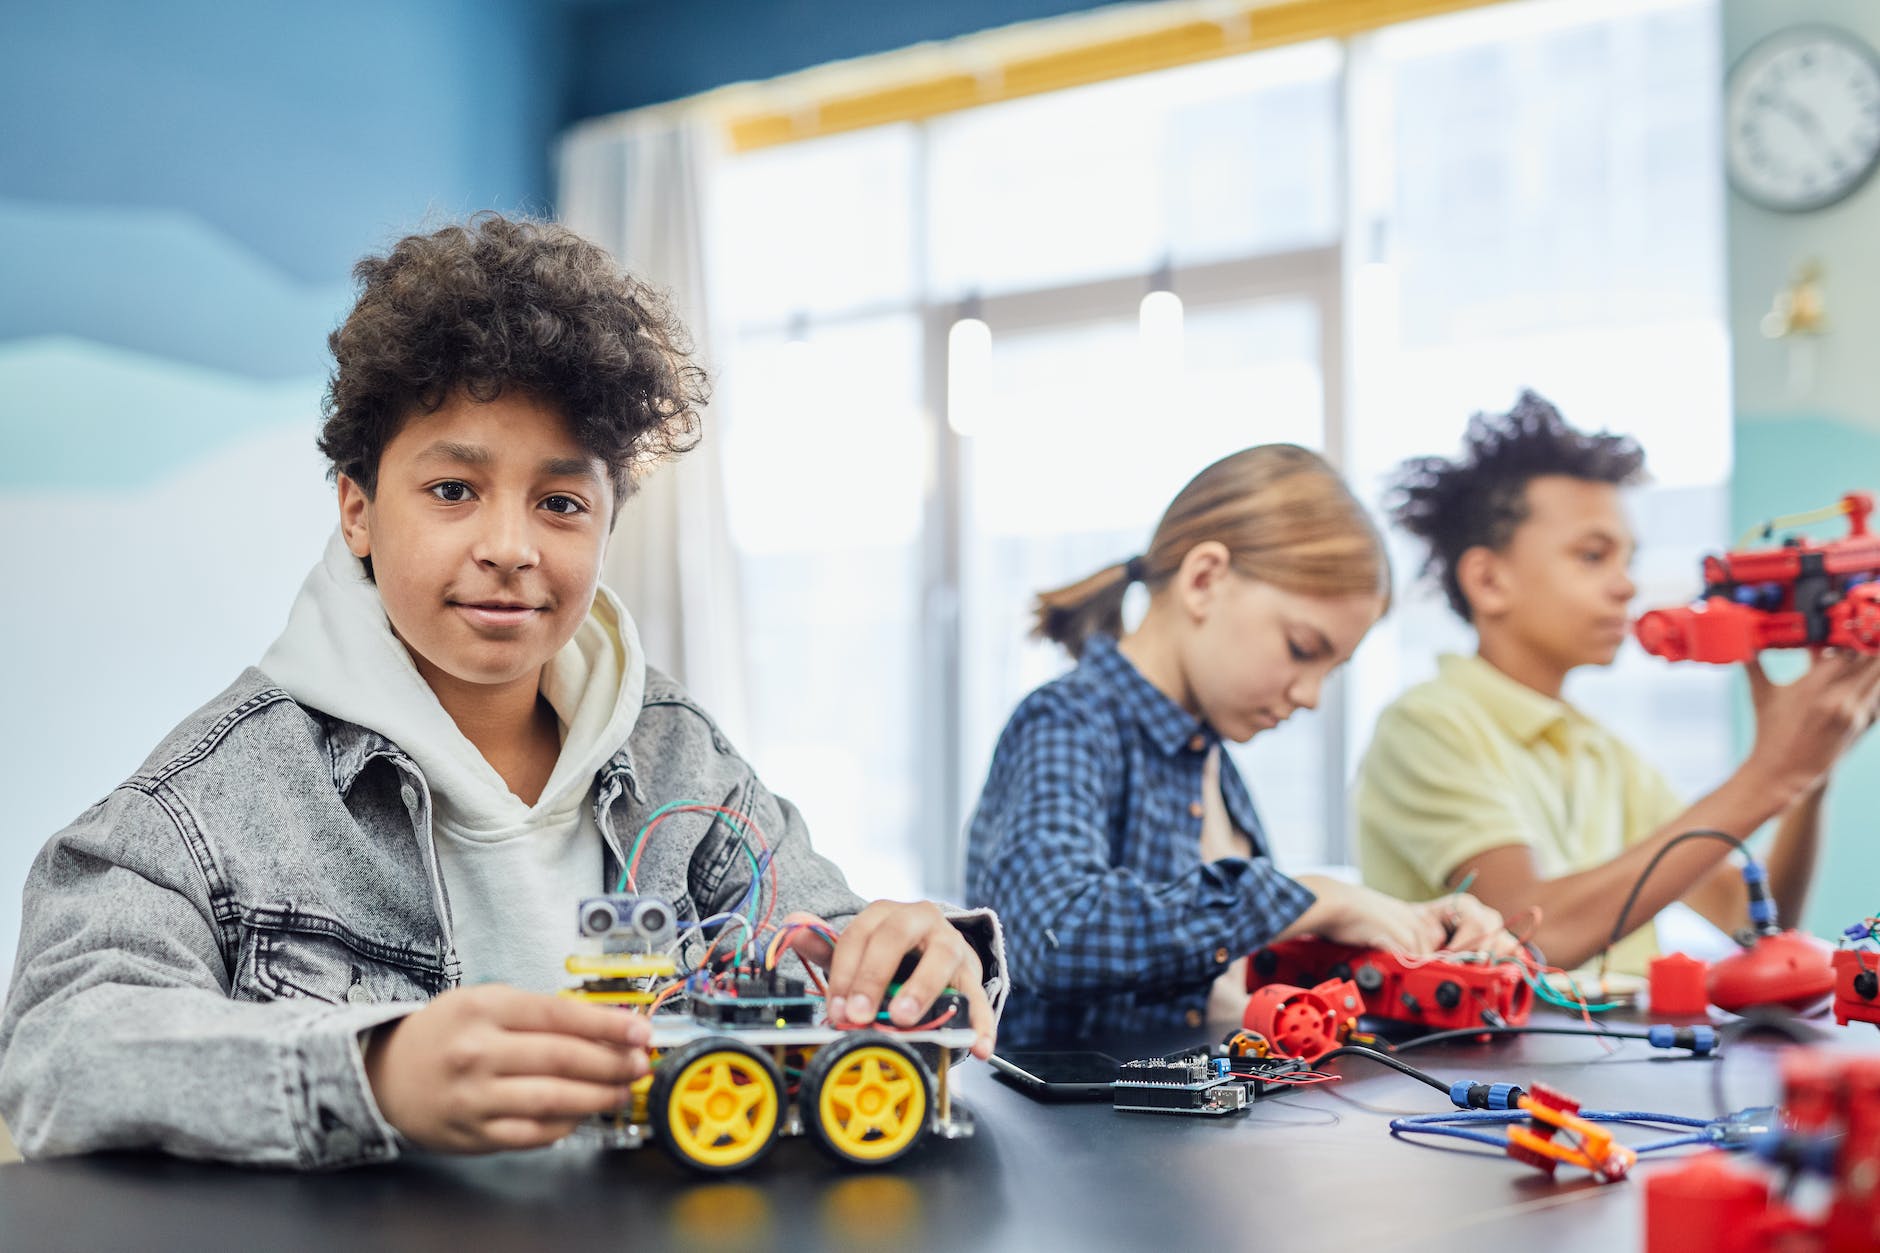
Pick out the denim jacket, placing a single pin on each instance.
(201, 950)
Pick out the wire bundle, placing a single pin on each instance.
(1457, 1123)
(760, 857)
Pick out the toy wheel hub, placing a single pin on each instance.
(726, 1109)
(871, 1102)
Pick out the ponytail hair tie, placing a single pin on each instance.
(1134, 571)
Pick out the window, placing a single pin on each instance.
(1365, 256)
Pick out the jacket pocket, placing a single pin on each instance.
(293, 953)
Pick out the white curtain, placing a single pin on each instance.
(636, 185)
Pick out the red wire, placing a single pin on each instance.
(646, 836)
(763, 846)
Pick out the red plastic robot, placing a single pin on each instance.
(1437, 995)
(1831, 1108)
(1800, 594)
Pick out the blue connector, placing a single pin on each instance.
(1762, 910)
(1701, 1040)
(1472, 1094)
(1745, 1128)
(1814, 1154)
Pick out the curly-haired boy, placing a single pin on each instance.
(327, 917)
(1485, 775)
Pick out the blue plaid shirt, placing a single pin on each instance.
(1087, 841)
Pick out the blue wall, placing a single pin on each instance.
(632, 54)
(183, 189)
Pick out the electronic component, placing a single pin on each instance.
(627, 923)
(767, 998)
(1799, 594)
(1856, 985)
(1200, 1082)
(1436, 993)
(1829, 1129)
(753, 1057)
(1305, 1022)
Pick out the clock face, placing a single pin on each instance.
(1803, 118)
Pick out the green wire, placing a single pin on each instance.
(729, 821)
(1543, 991)
(1546, 993)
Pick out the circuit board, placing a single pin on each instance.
(1199, 1083)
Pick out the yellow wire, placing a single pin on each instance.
(1770, 527)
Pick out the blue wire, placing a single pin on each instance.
(1447, 1124)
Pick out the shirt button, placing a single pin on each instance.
(1198, 743)
(1194, 809)
(1193, 1017)
(1220, 956)
(409, 795)
(358, 994)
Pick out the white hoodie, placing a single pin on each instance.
(513, 871)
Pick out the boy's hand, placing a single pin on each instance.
(869, 952)
(1803, 728)
(490, 1067)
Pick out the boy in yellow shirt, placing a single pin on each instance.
(1485, 774)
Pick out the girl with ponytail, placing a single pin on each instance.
(1118, 844)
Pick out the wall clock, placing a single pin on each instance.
(1803, 118)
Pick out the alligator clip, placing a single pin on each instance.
(1582, 1143)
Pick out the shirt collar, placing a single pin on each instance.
(1168, 725)
(1520, 710)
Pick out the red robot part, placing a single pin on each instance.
(1679, 985)
(1804, 593)
(1436, 994)
(1787, 968)
(1305, 1023)
(1856, 987)
(1831, 1108)
(1709, 1204)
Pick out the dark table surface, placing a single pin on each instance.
(1314, 1169)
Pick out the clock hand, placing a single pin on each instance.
(1805, 120)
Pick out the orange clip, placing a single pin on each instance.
(1588, 1146)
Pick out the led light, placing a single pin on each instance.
(1159, 321)
(969, 375)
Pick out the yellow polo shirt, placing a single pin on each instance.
(1473, 760)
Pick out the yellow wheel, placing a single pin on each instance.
(865, 1099)
(715, 1104)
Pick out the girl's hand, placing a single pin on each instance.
(869, 952)
(1350, 914)
(1472, 927)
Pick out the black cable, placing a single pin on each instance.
(1794, 1029)
(1631, 898)
(1467, 1033)
(1358, 1050)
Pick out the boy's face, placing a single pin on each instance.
(486, 535)
(1561, 587)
